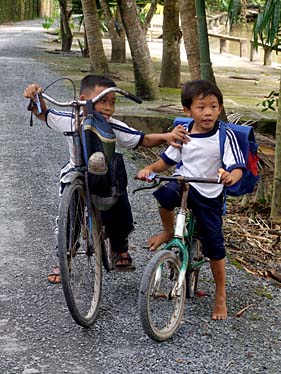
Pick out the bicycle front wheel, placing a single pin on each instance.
(79, 255)
(160, 309)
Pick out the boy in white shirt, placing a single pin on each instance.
(200, 157)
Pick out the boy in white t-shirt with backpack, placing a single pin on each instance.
(200, 157)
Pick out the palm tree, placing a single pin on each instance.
(268, 29)
(98, 61)
(66, 34)
(116, 31)
(145, 81)
(190, 37)
(170, 71)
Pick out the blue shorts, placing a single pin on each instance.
(207, 211)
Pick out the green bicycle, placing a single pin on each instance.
(172, 273)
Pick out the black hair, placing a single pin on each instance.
(91, 81)
(196, 88)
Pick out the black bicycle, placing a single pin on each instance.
(82, 242)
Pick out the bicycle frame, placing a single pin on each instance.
(77, 143)
(183, 233)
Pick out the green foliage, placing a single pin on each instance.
(267, 26)
(213, 6)
(234, 11)
(18, 10)
(48, 22)
(270, 102)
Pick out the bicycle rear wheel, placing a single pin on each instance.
(160, 312)
(79, 258)
(192, 274)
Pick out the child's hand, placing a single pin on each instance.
(225, 177)
(144, 173)
(228, 179)
(31, 91)
(178, 136)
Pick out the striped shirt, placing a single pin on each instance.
(201, 157)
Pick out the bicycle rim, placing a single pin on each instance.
(161, 312)
(79, 257)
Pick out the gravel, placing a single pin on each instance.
(37, 333)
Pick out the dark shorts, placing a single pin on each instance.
(208, 213)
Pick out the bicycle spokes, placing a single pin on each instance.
(161, 301)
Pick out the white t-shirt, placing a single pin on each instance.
(126, 137)
(201, 158)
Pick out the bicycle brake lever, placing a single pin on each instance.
(155, 184)
(38, 104)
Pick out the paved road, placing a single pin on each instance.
(37, 334)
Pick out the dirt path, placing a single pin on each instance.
(37, 333)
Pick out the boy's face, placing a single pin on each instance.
(105, 106)
(205, 112)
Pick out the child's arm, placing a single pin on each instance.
(30, 93)
(230, 178)
(175, 138)
(156, 167)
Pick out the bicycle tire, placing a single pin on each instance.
(80, 261)
(162, 322)
(192, 274)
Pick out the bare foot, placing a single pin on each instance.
(156, 240)
(220, 309)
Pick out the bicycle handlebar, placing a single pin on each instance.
(94, 100)
(157, 179)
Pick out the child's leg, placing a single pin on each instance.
(218, 270)
(118, 222)
(167, 218)
(168, 197)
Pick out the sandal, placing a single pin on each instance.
(54, 276)
(123, 261)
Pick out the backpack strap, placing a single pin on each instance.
(222, 137)
(89, 106)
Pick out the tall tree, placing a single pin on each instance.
(116, 31)
(276, 196)
(66, 34)
(204, 49)
(98, 61)
(268, 28)
(190, 36)
(170, 71)
(145, 81)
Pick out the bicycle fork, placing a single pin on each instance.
(179, 235)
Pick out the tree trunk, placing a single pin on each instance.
(276, 196)
(190, 37)
(145, 81)
(117, 33)
(150, 14)
(66, 34)
(171, 63)
(98, 61)
(204, 48)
